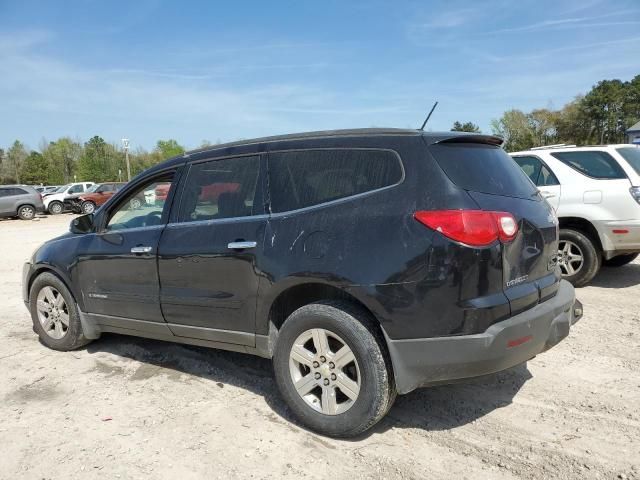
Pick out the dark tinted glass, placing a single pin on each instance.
(4, 192)
(76, 189)
(483, 168)
(632, 156)
(311, 177)
(220, 189)
(594, 164)
(531, 166)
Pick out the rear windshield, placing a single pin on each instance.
(483, 168)
(632, 156)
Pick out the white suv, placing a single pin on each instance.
(596, 194)
(54, 201)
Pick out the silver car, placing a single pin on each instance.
(20, 201)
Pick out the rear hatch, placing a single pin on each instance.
(495, 182)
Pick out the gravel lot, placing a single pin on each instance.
(132, 408)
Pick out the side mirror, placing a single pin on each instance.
(83, 224)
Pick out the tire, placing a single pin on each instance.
(344, 325)
(26, 212)
(55, 208)
(620, 260)
(135, 203)
(44, 295)
(88, 207)
(582, 245)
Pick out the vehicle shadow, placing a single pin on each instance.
(434, 408)
(617, 277)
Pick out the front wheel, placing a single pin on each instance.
(55, 208)
(620, 260)
(578, 257)
(88, 207)
(54, 314)
(332, 369)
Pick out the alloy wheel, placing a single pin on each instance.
(53, 312)
(27, 213)
(88, 207)
(324, 371)
(570, 257)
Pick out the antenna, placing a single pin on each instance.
(429, 116)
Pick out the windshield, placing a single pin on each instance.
(632, 156)
(93, 188)
(62, 188)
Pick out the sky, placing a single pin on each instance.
(225, 70)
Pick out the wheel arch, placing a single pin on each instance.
(584, 226)
(40, 269)
(293, 297)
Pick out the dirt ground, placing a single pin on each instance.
(126, 407)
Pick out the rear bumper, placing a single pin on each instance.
(626, 240)
(430, 361)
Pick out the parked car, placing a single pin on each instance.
(54, 203)
(364, 263)
(96, 196)
(44, 189)
(20, 201)
(596, 194)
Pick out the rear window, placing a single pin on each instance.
(483, 168)
(595, 164)
(632, 156)
(305, 178)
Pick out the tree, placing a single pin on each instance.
(465, 127)
(100, 161)
(516, 130)
(15, 157)
(35, 169)
(169, 148)
(543, 124)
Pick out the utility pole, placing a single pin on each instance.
(125, 144)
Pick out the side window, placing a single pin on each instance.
(594, 164)
(299, 179)
(531, 166)
(220, 189)
(4, 192)
(136, 211)
(76, 189)
(547, 178)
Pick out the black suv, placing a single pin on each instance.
(365, 263)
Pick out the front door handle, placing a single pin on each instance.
(241, 245)
(547, 194)
(141, 249)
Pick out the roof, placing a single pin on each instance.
(634, 128)
(432, 137)
(569, 148)
(353, 132)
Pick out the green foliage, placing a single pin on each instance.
(14, 159)
(600, 117)
(35, 169)
(465, 127)
(169, 148)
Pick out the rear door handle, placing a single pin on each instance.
(141, 249)
(546, 194)
(241, 245)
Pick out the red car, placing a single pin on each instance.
(208, 193)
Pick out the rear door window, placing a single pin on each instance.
(595, 164)
(483, 168)
(299, 179)
(220, 189)
(537, 171)
(632, 156)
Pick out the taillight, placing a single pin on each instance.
(472, 227)
(635, 193)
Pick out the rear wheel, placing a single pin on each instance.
(332, 369)
(88, 207)
(54, 314)
(579, 258)
(620, 260)
(55, 208)
(26, 212)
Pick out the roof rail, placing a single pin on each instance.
(557, 145)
